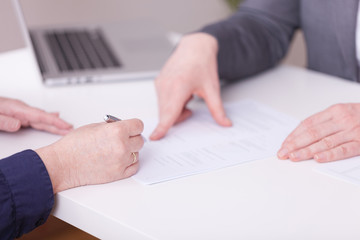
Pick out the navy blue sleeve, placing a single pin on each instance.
(26, 194)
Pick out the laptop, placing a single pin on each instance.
(127, 50)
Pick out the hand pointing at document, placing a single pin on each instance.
(191, 70)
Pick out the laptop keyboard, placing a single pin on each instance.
(76, 50)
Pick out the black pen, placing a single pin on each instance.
(109, 118)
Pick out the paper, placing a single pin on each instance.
(347, 170)
(199, 144)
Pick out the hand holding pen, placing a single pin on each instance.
(109, 119)
(94, 154)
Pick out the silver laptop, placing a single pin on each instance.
(98, 53)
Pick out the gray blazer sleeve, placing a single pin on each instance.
(255, 38)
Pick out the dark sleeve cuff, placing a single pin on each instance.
(30, 189)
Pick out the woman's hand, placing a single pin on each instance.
(15, 114)
(330, 135)
(191, 70)
(94, 154)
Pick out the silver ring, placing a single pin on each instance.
(134, 157)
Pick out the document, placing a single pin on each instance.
(347, 170)
(200, 145)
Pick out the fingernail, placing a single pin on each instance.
(320, 157)
(294, 156)
(13, 125)
(155, 135)
(283, 153)
(227, 121)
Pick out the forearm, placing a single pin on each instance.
(55, 168)
(252, 40)
(205, 44)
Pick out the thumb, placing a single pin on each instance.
(9, 124)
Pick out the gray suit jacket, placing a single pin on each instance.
(258, 35)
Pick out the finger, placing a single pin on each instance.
(134, 126)
(324, 144)
(131, 159)
(134, 157)
(343, 151)
(170, 115)
(27, 115)
(185, 114)
(213, 101)
(136, 143)
(131, 170)
(307, 136)
(9, 124)
(311, 121)
(35, 115)
(162, 128)
(50, 128)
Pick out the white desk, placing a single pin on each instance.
(265, 199)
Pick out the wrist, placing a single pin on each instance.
(55, 168)
(203, 42)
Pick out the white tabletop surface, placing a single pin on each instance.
(264, 199)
